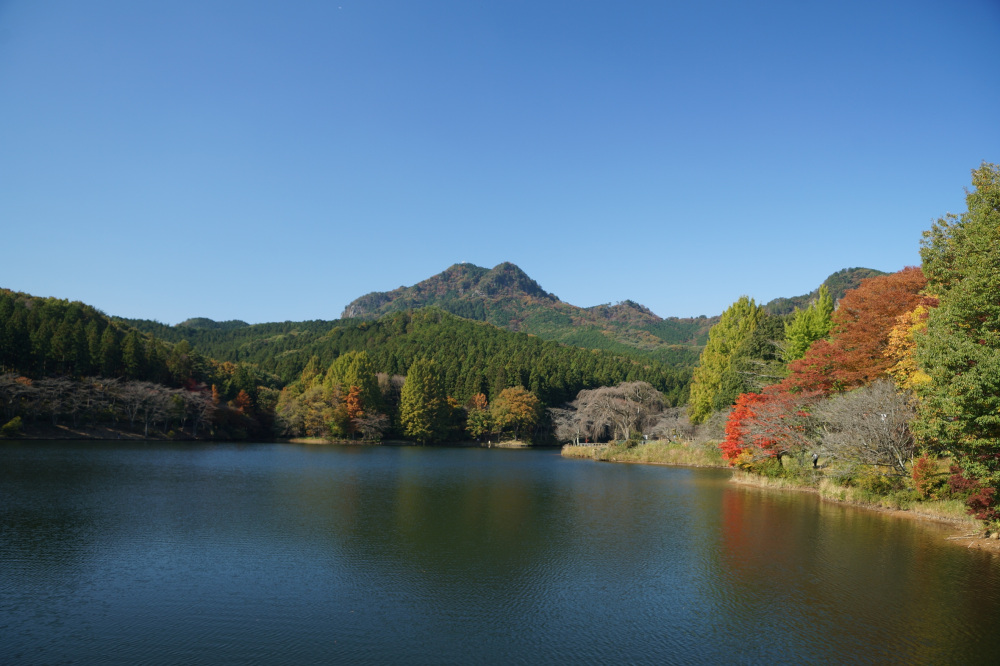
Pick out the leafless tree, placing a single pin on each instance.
(199, 408)
(870, 425)
(52, 396)
(371, 426)
(132, 399)
(712, 429)
(157, 404)
(77, 400)
(569, 424)
(15, 392)
(673, 424)
(617, 411)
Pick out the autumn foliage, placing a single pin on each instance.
(902, 347)
(354, 404)
(738, 439)
(855, 354)
(769, 424)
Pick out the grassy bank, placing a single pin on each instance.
(507, 444)
(653, 453)
(829, 483)
(903, 499)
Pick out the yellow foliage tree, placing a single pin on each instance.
(902, 347)
(516, 408)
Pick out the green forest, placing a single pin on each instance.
(67, 363)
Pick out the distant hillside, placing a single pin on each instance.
(504, 296)
(209, 324)
(838, 283)
(507, 297)
(473, 356)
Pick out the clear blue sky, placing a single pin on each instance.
(273, 161)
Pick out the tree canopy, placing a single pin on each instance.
(808, 325)
(735, 326)
(960, 348)
(854, 354)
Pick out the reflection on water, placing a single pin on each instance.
(157, 553)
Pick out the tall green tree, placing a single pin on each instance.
(134, 355)
(110, 353)
(808, 325)
(737, 324)
(423, 405)
(355, 369)
(757, 362)
(960, 350)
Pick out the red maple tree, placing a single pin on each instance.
(769, 424)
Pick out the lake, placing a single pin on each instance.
(153, 553)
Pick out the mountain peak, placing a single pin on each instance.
(508, 279)
(626, 312)
(460, 288)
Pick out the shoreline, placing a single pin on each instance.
(974, 537)
(66, 433)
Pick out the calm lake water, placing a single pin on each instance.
(285, 554)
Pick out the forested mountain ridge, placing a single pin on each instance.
(507, 297)
(57, 355)
(838, 284)
(204, 322)
(472, 354)
(460, 282)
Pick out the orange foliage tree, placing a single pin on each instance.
(354, 408)
(855, 354)
(354, 403)
(737, 440)
(242, 402)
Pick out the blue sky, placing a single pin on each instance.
(273, 161)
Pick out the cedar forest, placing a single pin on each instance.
(890, 380)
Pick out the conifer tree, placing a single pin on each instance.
(808, 325)
(735, 326)
(110, 354)
(423, 407)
